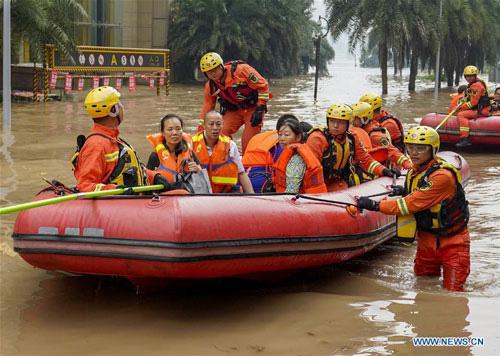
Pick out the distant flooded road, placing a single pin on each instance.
(372, 305)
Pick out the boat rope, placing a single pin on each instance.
(323, 200)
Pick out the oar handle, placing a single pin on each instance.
(70, 197)
(447, 117)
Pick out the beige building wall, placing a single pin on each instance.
(145, 23)
(138, 23)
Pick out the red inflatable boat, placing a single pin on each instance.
(202, 236)
(483, 130)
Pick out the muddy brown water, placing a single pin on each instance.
(369, 306)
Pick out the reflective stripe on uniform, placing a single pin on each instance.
(264, 96)
(402, 206)
(224, 180)
(372, 166)
(464, 128)
(110, 157)
(98, 187)
(401, 160)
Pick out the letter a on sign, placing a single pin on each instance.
(113, 60)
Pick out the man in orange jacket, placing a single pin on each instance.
(104, 161)
(476, 103)
(391, 123)
(433, 193)
(379, 137)
(242, 94)
(337, 149)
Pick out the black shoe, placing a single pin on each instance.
(463, 142)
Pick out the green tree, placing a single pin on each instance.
(273, 36)
(40, 22)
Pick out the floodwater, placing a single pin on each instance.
(372, 305)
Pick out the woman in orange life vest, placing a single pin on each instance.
(297, 169)
(171, 148)
(220, 156)
(262, 152)
(433, 194)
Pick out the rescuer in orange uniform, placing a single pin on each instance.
(337, 149)
(220, 156)
(242, 94)
(392, 124)
(457, 97)
(433, 193)
(379, 137)
(495, 107)
(104, 161)
(297, 169)
(476, 103)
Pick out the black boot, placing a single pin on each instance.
(463, 142)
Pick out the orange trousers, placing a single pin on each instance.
(233, 120)
(453, 255)
(464, 117)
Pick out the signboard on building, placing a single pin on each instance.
(108, 59)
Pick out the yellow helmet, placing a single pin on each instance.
(373, 99)
(363, 110)
(100, 102)
(210, 61)
(340, 112)
(471, 70)
(423, 135)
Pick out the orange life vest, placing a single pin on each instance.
(313, 181)
(257, 152)
(222, 170)
(170, 165)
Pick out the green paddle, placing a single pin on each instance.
(87, 195)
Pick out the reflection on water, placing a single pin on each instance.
(372, 305)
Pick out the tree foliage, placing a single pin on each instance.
(274, 36)
(409, 31)
(40, 22)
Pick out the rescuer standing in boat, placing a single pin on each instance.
(104, 161)
(476, 103)
(241, 92)
(433, 193)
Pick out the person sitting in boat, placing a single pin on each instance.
(476, 103)
(337, 149)
(433, 193)
(495, 107)
(379, 136)
(457, 98)
(262, 153)
(297, 170)
(172, 149)
(104, 161)
(220, 156)
(391, 123)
